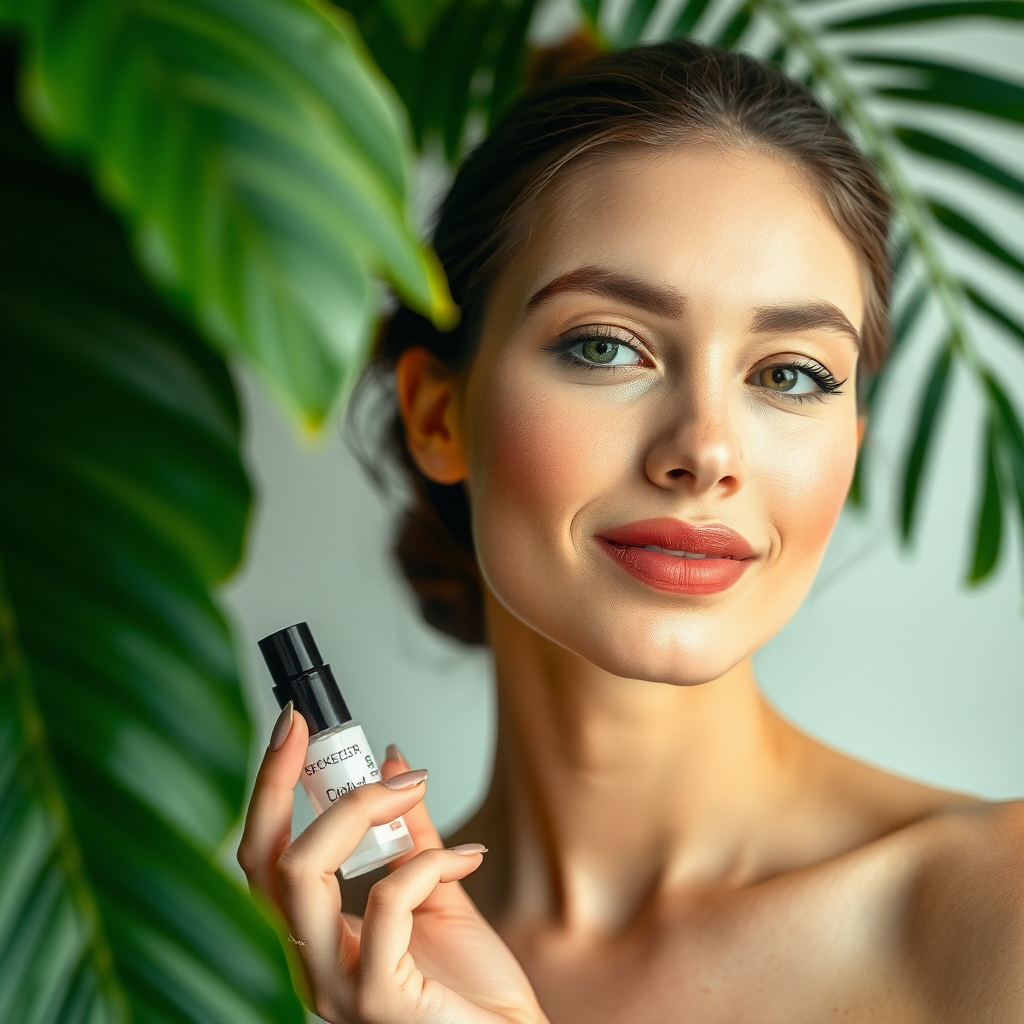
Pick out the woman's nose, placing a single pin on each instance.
(698, 451)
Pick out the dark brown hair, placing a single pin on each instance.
(648, 96)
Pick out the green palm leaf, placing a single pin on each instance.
(969, 231)
(995, 312)
(932, 400)
(260, 158)
(917, 14)
(988, 530)
(470, 63)
(123, 737)
(949, 86)
(938, 148)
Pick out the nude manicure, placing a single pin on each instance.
(282, 726)
(393, 753)
(407, 779)
(468, 849)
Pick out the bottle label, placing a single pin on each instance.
(337, 765)
(337, 757)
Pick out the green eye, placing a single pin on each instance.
(605, 352)
(600, 351)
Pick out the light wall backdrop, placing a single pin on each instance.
(890, 658)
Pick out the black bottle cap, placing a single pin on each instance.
(300, 675)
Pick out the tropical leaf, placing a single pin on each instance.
(996, 313)
(1010, 434)
(470, 64)
(932, 399)
(915, 14)
(637, 16)
(260, 158)
(946, 85)
(688, 17)
(931, 145)
(123, 735)
(415, 16)
(969, 231)
(733, 31)
(988, 529)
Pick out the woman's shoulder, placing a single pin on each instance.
(961, 908)
(936, 880)
(969, 894)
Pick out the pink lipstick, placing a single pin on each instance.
(671, 555)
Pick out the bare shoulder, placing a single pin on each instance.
(965, 912)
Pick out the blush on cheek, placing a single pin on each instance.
(538, 458)
(811, 487)
(536, 462)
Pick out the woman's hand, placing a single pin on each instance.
(422, 954)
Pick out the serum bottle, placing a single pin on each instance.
(338, 758)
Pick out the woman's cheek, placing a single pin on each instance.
(805, 481)
(536, 461)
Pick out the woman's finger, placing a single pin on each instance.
(425, 836)
(421, 828)
(388, 920)
(310, 895)
(268, 820)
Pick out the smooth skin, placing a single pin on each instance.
(671, 339)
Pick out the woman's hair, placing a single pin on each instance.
(646, 97)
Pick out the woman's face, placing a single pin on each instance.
(660, 425)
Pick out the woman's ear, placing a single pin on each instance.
(862, 426)
(427, 401)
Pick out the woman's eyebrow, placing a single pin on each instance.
(814, 316)
(657, 299)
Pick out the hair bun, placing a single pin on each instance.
(443, 575)
(546, 64)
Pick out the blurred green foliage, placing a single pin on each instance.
(123, 736)
(257, 156)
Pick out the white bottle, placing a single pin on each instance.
(338, 758)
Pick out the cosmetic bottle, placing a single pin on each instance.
(338, 758)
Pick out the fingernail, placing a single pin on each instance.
(468, 849)
(282, 726)
(393, 753)
(407, 779)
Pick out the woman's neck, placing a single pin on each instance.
(608, 791)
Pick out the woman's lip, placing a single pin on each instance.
(654, 552)
(715, 540)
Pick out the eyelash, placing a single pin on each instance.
(822, 376)
(564, 346)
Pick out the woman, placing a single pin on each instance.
(627, 462)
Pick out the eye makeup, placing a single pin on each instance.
(606, 347)
(601, 346)
(781, 377)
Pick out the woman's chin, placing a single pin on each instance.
(674, 663)
(654, 649)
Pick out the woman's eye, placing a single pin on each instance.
(788, 379)
(605, 352)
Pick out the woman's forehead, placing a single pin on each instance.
(734, 227)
